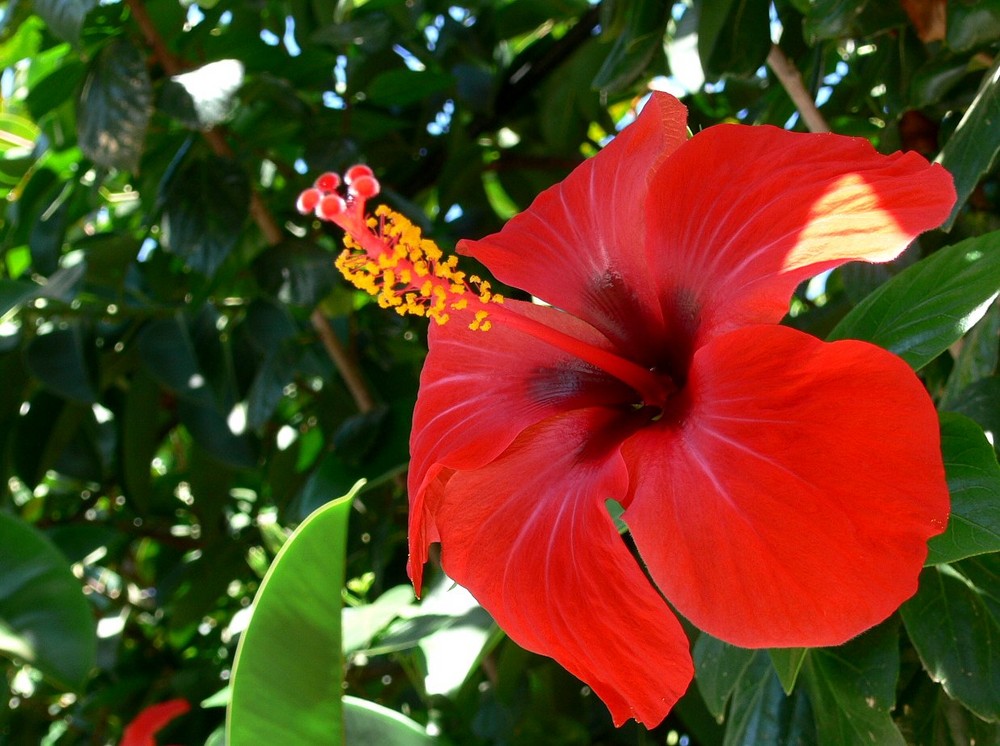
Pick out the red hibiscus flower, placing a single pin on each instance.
(780, 490)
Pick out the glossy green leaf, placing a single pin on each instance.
(974, 482)
(718, 666)
(45, 619)
(734, 36)
(761, 713)
(65, 17)
(929, 305)
(972, 149)
(369, 723)
(853, 688)
(289, 665)
(954, 623)
(640, 38)
(787, 664)
(115, 106)
(836, 19)
(206, 202)
(977, 356)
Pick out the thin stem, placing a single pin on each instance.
(791, 80)
(265, 221)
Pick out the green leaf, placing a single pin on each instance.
(718, 667)
(405, 87)
(206, 202)
(974, 482)
(954, 623)
(761, 713)
(116, 102)
(65, 17)
(369, 723)
(141, 437)
(931, 304)
(787, 664)
(639, 40)
(289, 665)
(58, 360)
(166, 349)
(45, 619)
(972, 25)
(977, 358)
(972, 149)
(734, 36)
(853, 687)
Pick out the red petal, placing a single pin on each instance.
(580, 245)
(480, 390)
(741, 215)
(793, 503)
(143, 729)
(530, 537)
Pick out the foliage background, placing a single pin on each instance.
(184, 378)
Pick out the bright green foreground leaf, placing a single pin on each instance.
(974, 482)
(45, 619)
(368, 723)
(927, 307)
(787, 663)
(289, 666)
(954, 623)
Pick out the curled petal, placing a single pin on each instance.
(790, 502)
(579, 246)
(480, 390)
(530, 537)
(739, 216)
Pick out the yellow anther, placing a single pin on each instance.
(409, 273)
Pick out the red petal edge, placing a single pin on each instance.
(793, 505)
(151, 720)
(479, 391)
(529, 536)
(739, 216)
(579, 246)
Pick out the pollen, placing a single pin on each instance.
(386, 256)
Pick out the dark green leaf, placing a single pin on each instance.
(853, 687)
(166, 349)
(640, 38)
(15, 292)
(718, 667)
(981, 402)
(65, 17)
(206, 202)
(49, 231)
(734, 36)
(977, 357)
(835, 19)
(974, 483)
(761, 713)
(45, 619)
(787, 663)
(116, 102)
(58, 359)
(954, 623)
(972, 149)
(141, 437)
(927, 307)
(289, 665)
(298, 273)
(405, 87)
(972, 25)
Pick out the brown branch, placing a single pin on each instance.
(791, 80)
(261, 216)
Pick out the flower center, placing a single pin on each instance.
(386, 256)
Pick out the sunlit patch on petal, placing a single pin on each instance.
(793, 505)
(530, 537)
